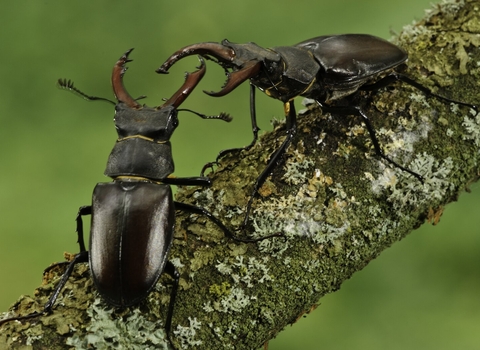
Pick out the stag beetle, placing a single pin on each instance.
(325, 69)
(133, 217)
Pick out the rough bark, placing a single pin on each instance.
(338, 204)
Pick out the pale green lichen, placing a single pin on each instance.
(207, 196)
(311, 265)
(407, 193)
(472, 129)
(207, 306)
(223, 336)
(243, 273)
(235, 301)
(177, 263)
(248, 272)
(302, 215)
(32, 339)
(106, 332)
(296, 167)
(187, 335)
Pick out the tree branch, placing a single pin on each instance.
(338, 204)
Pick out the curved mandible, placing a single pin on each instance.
(191, 81)
(119, 90)
(251, 69)
(219, 51)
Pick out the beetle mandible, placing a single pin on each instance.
(133, 217)
(325, 69)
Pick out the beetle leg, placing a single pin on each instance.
(253, 116)
(80, 257)
(201, 211)
(356, 111)
(26, 317)
(429, 92)
(82, 211)
(393, 77)
(205, 182)
(253, 119)
(172, 271)
(255, 130)
(291, 125)
(188, 181)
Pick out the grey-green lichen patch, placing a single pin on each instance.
(304, 214)
(246, 271)
(108, 331)
(188, 335)
(472, 128)
(242, 274)
(296, 166)
(406, 192)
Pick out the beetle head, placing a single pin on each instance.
(143, 145)
(240, 61)
(158, 123)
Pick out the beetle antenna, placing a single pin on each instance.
(222, 116)
(69, 85)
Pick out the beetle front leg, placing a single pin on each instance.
(255, 130)
(82, 211)
(82, 256)
(291, 125)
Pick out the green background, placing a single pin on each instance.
(423, 293)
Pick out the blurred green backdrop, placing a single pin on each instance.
(423, 293)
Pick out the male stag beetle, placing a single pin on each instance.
(133, 217)
(325, 69)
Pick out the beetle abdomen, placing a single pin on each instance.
(132, 226)
(353, 57)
